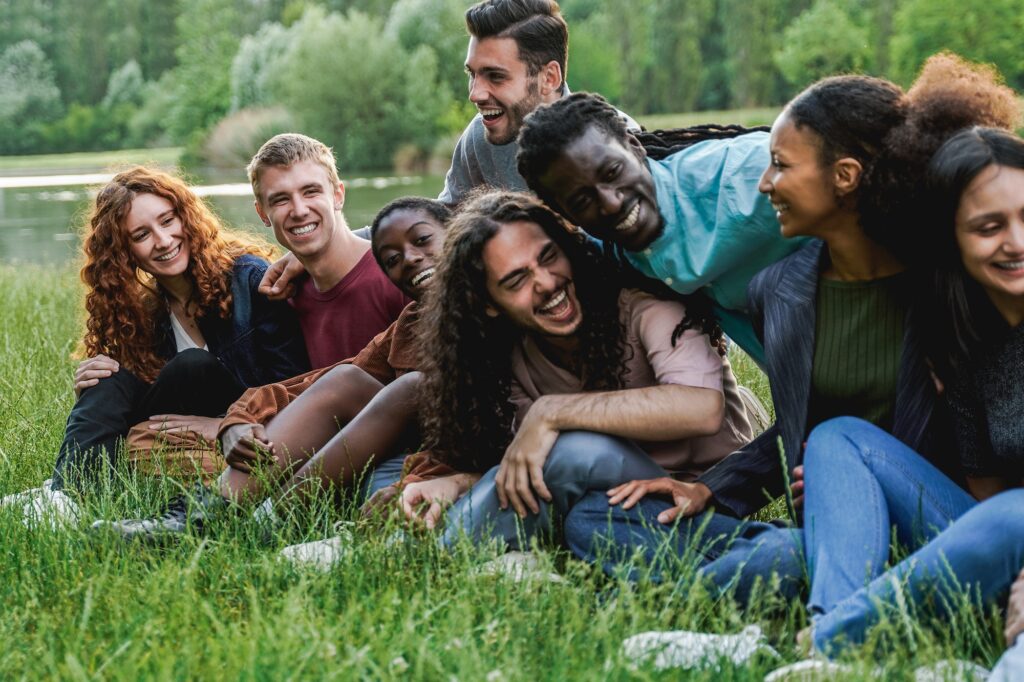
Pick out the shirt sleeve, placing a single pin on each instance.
(258, 405)
(373, 359)
(457, 181)
(691, 362)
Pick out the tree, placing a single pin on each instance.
(822, 41)
(252, 63)
(125, 86)
(357, 88)
(30, 96)
(439, 25)
(989, 32)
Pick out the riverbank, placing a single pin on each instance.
(77, 605)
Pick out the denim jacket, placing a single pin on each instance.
(261, 341)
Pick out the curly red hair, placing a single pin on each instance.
(125, 306)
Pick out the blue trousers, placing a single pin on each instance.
(862, 484)
(579, 462)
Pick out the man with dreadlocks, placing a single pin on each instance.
(680, 206)
(528, 331)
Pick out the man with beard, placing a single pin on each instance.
(516, 61)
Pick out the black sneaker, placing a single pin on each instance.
(190, 510)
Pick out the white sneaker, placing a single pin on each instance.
(958, 670)
(688, 650)
(43, 507)
(519, 566)
(757, 413)
(810, 670)
(321, 555)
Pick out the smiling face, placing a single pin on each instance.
(156, 237)
(797, 183)
(406, 244)
(529, 280)
(605, 188)
(302, 205)
(501, 87)
(990, 235)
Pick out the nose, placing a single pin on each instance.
(162, 238)
(299, 207)
(610, 199)
(764, 185)
(411, 256)
(478, 94)
(1015, 236)
(544, 281)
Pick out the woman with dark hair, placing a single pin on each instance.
(835, 317)
(965, 548)
(175, 329)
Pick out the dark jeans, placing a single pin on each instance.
(193, 382)
(731, 554)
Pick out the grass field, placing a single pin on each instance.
(83, 162)
(79, 606)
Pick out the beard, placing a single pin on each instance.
(516, 112)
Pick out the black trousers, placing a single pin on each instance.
(193, 382)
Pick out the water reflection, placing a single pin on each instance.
(40, 218)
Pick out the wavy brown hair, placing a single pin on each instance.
(466, 412)
(125, 305)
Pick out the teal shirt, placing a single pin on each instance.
(719, 230)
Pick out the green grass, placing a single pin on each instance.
(82, 162)
(77, 605)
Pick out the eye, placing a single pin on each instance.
(579, 203)
(988, 229)
(140, 235)
(167, 221)
(422, 239)
(613, 171)
(391, 261)
(515, 284)
(776, 163)
(548, 256)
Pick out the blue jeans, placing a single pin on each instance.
(861, 484)
(579, 462)
(731, 554)
(388, 473)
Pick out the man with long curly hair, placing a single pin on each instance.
(530, 332)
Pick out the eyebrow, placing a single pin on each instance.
(546, 249)
(487, 70)
(982, 217)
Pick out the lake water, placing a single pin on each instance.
(41, 216)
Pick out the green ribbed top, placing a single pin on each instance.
(858, 342)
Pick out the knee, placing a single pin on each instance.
(575, 454)
(834, 438)
(1001, 522)
(346, 383)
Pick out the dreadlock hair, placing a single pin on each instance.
(961, 314)
(550, 129)
(432, 207)
(466, 413)
(893, 134)
(537, 26)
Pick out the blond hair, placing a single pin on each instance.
(286, 150)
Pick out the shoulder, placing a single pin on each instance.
(802, 262)
(249, 269)
(643, 313)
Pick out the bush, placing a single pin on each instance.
(822, 41)
(359, 90)
(235, 139)
(30, 97)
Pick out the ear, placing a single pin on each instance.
(550, 78)
(261, 213)
(491, 311)
(846, 175)
(633, 144)
(339, 196)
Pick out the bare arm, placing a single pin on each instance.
(985, 487)
(656, 413)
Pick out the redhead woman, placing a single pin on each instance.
(175, 329)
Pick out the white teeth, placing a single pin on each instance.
(305, 229)
(780, 207)
(1015, 265)
(554, 302)
(170, 254)
(630, 218)
(422, 277)
(491, 112)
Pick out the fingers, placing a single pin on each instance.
(537, 479)
(247, 453)
(524, 493)
(670, 514)
(798, 473)
(798, 502)
(499, 486)
(621, 492)
(432, 515)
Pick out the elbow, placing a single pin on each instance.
(714, 415)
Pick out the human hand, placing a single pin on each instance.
(1015, 611)
(204, 427)
(796, 486)
(521, 471)
(245, 445)
(380, 502)
(689, 498)
(424, 502)
(277, 284)
(91, 370)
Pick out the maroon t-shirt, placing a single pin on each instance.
(339, 322)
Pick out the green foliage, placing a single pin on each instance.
(236, 138)
(30, 96)
(249, 67)
(989, 32)
(822, 41)
(441, 26)
(125, 85)
(361, 92)
(202, 79)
